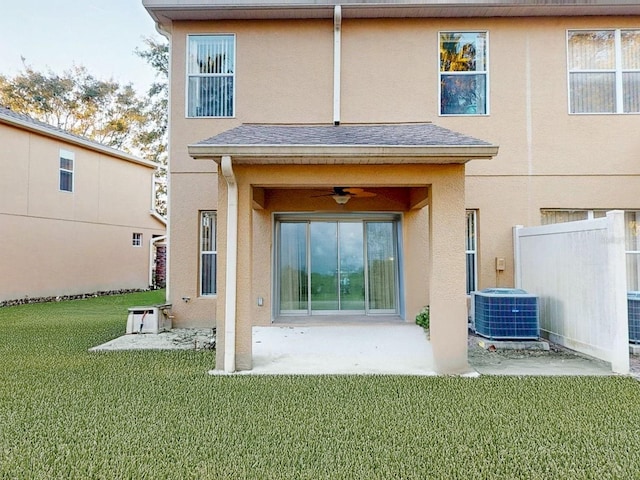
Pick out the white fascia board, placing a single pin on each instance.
(338, 152)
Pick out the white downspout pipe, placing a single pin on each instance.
(337, 39)
(232, 262)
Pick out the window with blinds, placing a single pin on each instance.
(66, 171)
(604, 71)
(208, 253)
(211, 75)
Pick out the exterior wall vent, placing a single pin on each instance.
(505, 313)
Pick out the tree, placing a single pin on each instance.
(76, 101)
(155, 139)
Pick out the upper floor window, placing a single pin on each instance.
(604, 71)
(211, 75)
(66, 171)
(464, 67)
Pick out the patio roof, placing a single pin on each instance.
(343, 144)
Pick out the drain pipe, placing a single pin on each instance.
(232, 261)
(337, 42)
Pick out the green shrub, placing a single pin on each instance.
(422, 318)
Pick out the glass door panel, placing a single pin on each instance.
(381, 264)
(324, 266)
(294, 295)
(337, 266)
(351, 253)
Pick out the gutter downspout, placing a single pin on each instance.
(337, 39)
(232, 263)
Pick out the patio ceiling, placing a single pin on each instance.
(376, 144)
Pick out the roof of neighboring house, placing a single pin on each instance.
(165, 11)
(409, 140)
(25, 122)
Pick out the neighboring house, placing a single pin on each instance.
(275, 105)
(75, 216)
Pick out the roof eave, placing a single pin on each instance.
(71, 139)
(166, 11)
(343, 154)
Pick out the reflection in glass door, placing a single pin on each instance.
(337, 267)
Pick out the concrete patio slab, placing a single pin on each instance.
(366, 349)
(400, 349)
(176, 339)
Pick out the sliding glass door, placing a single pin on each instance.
(336, 266)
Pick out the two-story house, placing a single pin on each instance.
(335, 160)
(75, 216)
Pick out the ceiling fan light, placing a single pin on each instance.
(341, 199)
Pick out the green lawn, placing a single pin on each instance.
(66, 413)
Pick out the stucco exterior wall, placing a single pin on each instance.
(59, 243)
(547, 158)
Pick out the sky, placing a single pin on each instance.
(58, 34)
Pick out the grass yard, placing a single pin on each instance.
(69, 414)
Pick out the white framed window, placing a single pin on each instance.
(464, 73)
(208, 253)
(603, 71)
(67, 160)
(471, 251)
(136, 240)
(210, 75)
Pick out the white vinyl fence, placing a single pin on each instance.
(578, 271)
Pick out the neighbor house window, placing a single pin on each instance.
(136, 240)
(604, 71)
(208, 253)
(66, 171)
(211, 75)
(464, 69)
(631, 235)
(471, 251)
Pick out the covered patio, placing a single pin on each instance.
(275, 175)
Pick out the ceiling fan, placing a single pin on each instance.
(343, 194)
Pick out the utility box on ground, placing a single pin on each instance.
(150, 319)
(633, 312)
(505, 313)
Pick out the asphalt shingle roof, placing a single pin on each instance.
(414, 134)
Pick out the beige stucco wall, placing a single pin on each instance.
(58, 243)
(547, 158)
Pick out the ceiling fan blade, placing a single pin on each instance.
(363, 194)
